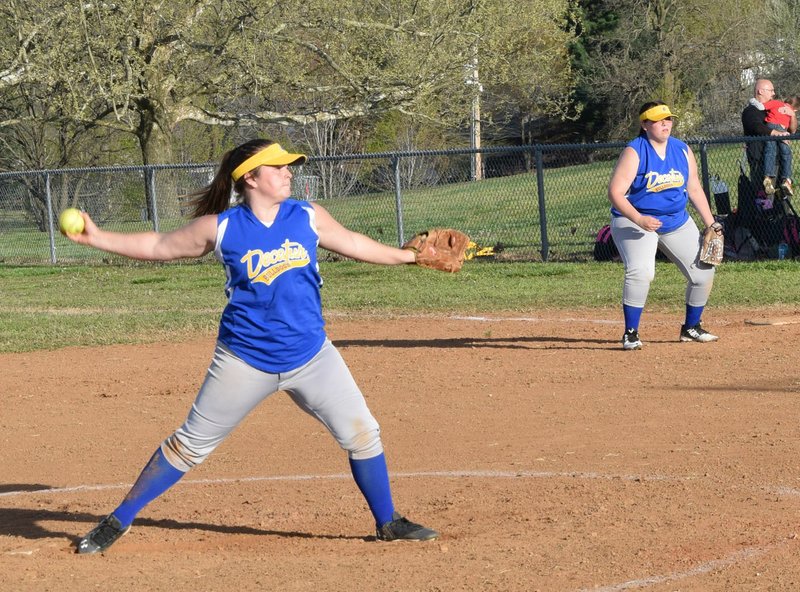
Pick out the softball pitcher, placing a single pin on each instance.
(648, 192)
(271, 334)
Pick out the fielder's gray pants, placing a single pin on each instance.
(637, 248)
(323, 388)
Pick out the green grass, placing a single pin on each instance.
(52, 307)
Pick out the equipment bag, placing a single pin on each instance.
(604, 247)
(791, 234)
(740, 244)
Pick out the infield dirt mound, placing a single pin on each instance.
(549, 459)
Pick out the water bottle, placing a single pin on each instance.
(783, 249)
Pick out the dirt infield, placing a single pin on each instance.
(548, 458)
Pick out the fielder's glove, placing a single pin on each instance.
(439, 248)
(713, 245)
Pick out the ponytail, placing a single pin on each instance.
(215, 198)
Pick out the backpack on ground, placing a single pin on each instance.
(762, 214)
(604, 247)
(791, 234)
(740, 243)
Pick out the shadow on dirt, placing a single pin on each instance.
(33, 524)
(469, 342)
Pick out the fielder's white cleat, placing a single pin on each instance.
(696, 333)
(631, 341)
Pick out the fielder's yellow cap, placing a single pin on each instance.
(272, 155)
(656, 113)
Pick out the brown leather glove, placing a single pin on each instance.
(439, 248)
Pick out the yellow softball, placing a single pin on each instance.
(70, 221)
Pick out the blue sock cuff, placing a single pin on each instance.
(633, 315)
(372, 478)
(693, 315)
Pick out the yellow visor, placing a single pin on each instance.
(272, 155)
(656, 113)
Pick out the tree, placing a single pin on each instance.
(689, 53)
(779, 55)
(593, 22)
(42, 138)
(525, 72)
(329, 138)
(144, 67)
(396, 131)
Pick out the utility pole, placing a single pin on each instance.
(475, 118)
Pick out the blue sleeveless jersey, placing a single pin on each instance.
(659, 188)
(273, 319)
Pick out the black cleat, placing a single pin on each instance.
(403, 529)
(102, 536)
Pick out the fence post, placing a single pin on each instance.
(398, 200)
(542, 210)
(150, 196)
(704, 170)
(51, 227)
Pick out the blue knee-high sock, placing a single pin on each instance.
(632, 316)
(372, 478)
(693, 314)
(156, 477)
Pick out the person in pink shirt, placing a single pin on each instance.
(780, 115)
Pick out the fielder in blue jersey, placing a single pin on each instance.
(654, 179)
(271, 334)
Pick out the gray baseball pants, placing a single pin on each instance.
(324, 388)
(637, 248)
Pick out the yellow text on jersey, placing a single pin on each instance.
(659, 182)
(265, 267)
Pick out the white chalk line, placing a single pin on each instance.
(786, 490)
(698, 570)
(339, 476)
(537, 319)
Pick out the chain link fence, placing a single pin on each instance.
(526, 203)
